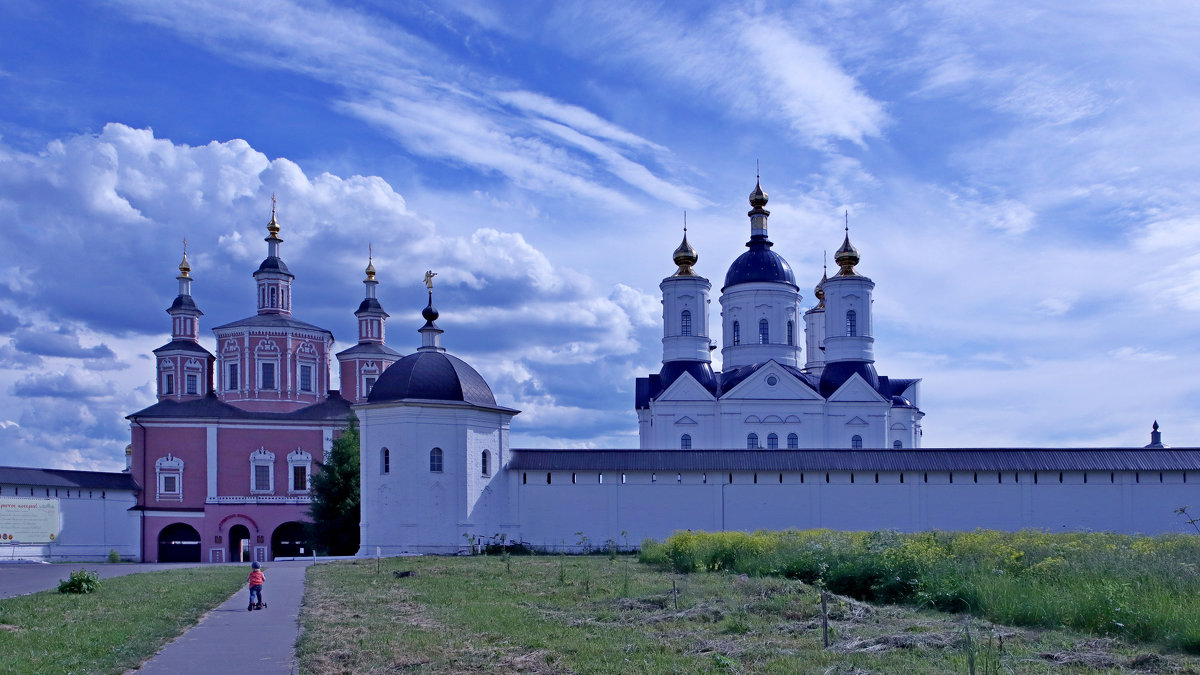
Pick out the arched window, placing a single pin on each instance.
(791, 333)
(897, 445)
(856, 442)
(737, 333)
(772, 442)
(685, 442)
(793, 442)
(764, 332)
(483, 462)
(752, 442)
(851, 323)
(685, 323)
(385, 461)
(435, 460)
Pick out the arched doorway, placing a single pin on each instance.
(290, 540)
(239, 544)
(179, 542)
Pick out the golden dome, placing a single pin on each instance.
(758, 198)
(273, 226)
(685, 256)
(370, 270)
(819, 291)
(846, 258)
(184, 266)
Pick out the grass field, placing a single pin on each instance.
(561, 614)
(113, 629)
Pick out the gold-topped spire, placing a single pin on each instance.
(273, 226)
(819, 291)
(184, 266)
(846, 256)
(685, 256)
(370, 263)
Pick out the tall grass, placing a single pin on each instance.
(1143, 588)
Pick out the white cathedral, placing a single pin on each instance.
(780, 438)
(770, 395)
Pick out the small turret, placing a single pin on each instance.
(1156, 438)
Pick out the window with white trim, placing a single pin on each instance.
(192, 384)
(764, 332)
(168, 384)
(851, 323)
(231, 376)
(262, 471)
(436, 461)
(266, 375)
(793, 442)
(169, 478)
(685, 323)
(299, 470)
(306, 378)
(752, 442)
(737, 333)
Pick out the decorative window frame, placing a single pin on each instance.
(764, 332)
(437, 461)
(307, 357)
(851, 323)
(385, 461)
(262, 457)
(793, 441)
(193, 369)
(772, 441)
(368, 375)
(297, 458)
(267, 352)
(856, 442)
(752, 441)
(166, 468)
(685, 322)
(166, 378)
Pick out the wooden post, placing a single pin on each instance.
(675, 594)
(824, 620)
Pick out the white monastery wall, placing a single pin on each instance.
(93, 523)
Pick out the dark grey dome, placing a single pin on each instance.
(435, 376)
(184, 302)
(760, 263)
(274, 264)
(370, 305)
(835, 375)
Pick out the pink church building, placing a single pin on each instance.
(226, 455)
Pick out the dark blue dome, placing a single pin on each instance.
(274, 264)
(701, 370)
(433, 376)
(835, 375)
(760, 263)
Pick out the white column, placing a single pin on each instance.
(212, 460)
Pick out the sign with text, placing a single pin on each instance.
(28, 521)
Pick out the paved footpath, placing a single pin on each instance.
(230, 639)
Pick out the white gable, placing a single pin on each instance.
(685, 388)
(856, 389)
(759, 386)
(685, 420)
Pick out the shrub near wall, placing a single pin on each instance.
(1143, 588)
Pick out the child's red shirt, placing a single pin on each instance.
(256, 578)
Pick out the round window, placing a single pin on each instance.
(772, 380)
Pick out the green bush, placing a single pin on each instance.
(113, 556)
(80, 581)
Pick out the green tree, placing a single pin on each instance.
(335, 495)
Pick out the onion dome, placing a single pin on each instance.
(273, 226)
(760, 263)
(685, 256)
(835, 374)
(819, 291)
(758, 198)
(370, 270)
(430, 314)
(432, 376)
(184, 267)
(846, 258)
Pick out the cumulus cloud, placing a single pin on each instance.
(118, 203)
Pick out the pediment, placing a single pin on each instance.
(685, 388)
(856, 390)
(857, 421)
(685, 420)
(786, 387)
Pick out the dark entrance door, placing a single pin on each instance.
(179, 542)
(290, 540)
(239, 544)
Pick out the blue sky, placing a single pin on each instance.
(1020, 181)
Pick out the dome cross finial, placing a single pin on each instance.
(184, 266)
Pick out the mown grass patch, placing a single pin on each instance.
(1144, 589)
(113, 629)
(567, 614)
